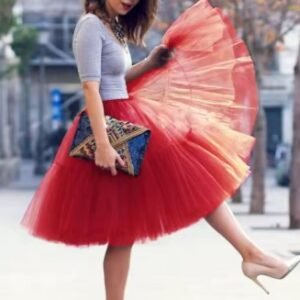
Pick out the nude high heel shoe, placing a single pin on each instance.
(253, 270)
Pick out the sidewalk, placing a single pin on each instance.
(192, 264)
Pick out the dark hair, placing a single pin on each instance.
(136, 23)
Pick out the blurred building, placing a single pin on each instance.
(277, 94)
(277, 98)
(55, 20)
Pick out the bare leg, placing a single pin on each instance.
(255, 261)
(224, 222)
(116, 266)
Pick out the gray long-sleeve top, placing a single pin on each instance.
(99, 56)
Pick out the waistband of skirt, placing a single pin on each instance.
(106, 101)
(117, 99)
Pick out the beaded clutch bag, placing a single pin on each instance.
(130, 141)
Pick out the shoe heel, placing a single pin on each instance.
(255, 279)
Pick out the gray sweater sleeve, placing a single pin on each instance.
(87, 48)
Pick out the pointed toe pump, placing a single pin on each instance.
(253, 270)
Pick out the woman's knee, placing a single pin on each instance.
(120, 247)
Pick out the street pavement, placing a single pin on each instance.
(191, 264)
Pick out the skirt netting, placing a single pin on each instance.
(201, 108)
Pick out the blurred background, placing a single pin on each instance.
(40, 94)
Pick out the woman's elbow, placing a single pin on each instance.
(90, 85)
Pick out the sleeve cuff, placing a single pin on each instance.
(89, 77)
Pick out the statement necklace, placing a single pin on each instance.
(115, 26)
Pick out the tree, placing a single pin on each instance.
(295, 165)
(24, 44)
(6, 22)
(7, 19)
(262, 24)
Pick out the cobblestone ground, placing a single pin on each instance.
(193, 263)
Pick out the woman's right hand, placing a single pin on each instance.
(106, 156)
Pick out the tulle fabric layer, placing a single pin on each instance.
(201, 108)
(211, 75)
(187, 172)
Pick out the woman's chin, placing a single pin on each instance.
(123, 12)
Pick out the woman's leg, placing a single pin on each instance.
(116, 266)
(224, 222)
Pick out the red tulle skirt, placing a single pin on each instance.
(201, 108)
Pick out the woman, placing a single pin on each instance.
(196, 92)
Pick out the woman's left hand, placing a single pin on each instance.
(159, 56)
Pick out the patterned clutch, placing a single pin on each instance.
(130, 141)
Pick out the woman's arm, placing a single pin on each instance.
(105, 154)
(138, 69)
(159, 56)
(94, 107)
